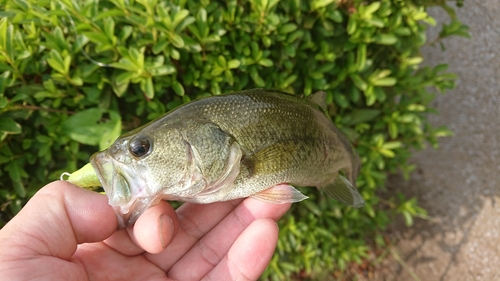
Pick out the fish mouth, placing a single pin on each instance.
(122, 187)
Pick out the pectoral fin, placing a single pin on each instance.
(279, 194)
(343, 191)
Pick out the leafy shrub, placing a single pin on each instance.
(75, 74)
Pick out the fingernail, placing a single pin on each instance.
(166, 230)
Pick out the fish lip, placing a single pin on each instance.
(117, 188)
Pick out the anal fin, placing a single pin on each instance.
(279, 194)
(343, 191)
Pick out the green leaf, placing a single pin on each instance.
(256, 77)
(3, 100)
(234, 63)
(82, 126)
(126, 76)
(351, 26)
(9, 126)
(288, 81)
(15, 171)
(109, 27)
(108, 14)
(120, 88)
(413, 61)
(137, 57)
(19, 189)
(125, 32)
(216, 70)
(178, 88)
(125, 64)
(442, 132)
(67, 63)
(392, 145)
(111, 130)
(176, 40)
(56, 62)
(160, 46)
(3, 31)
(162, 70)
(287, 28)
(201, 16)
(386, 39)
(359, 82)
(361, 57)
(229, 77)
(393, 130)
(8, 43)
(386, 153)
(316, 4)
(370, 9)
(215, 87)
(361, 116)
(147, 87)
(385, 82)
(76, 81)
(179, 17)
(59, 38)
(97, 38)
(266, 62)
(88, 127)
(408, 218)
(341, 100)
(336, 16)
(222, 61)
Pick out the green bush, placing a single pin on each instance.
(75, 74)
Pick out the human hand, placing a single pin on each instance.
(68, 233)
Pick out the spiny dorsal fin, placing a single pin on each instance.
(343, 191)
(319, 98)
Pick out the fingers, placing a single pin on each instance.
(57, 218)
(194, 222)
(211, 249)
(152, 232)
(250, 254)
(155, 228)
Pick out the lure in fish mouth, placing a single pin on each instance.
(255, 143)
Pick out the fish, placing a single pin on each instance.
(255, 143)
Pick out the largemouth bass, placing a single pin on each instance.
(254, 143)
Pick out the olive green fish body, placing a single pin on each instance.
(252, 143)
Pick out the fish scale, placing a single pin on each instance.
(255, 143)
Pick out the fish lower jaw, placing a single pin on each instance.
(129, 213)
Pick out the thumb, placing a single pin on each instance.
(58, 218)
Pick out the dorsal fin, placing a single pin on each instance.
(319, 98)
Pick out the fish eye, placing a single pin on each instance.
(139, 146)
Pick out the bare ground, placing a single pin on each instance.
(459, 184)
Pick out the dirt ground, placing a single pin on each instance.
(459, 184)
